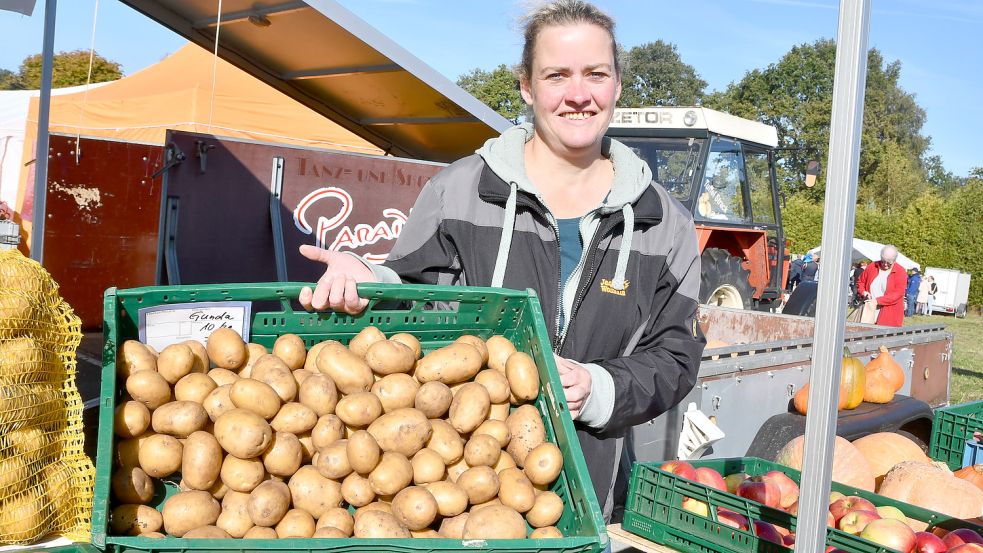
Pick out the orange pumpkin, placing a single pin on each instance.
(884, 450)
(850, 467)
(878, 387)
(972, 474)
(886, 364)
(934, 488)
(853, 381)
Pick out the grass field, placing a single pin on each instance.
(967, 355)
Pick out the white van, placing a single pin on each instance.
(953, 290)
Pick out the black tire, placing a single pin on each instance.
(802, 302)
(720, 268)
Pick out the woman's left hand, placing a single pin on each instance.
(576, 383)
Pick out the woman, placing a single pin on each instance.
(921, 302)
(555, 206)
(933, 290)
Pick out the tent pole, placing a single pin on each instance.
(41, 153)
(838, 219)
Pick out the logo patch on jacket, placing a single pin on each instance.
(608, 287)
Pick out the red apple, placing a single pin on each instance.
(855, 521)
(789, 540)
(833, 496)
(960, 536)
(846, 504)
(732, 519)
(891, 533)
(967, 548)
(888, 511)
(694, 506)
(734, 480)
(767, 532)
(787, 487)
(711, 478)
(758, 490)
(679, 468)
(830, 520)
(926, 542)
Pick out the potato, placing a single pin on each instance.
(428, 466)
(22, 515)
(185, 511)
(494, 522)
(153, 535)
(458, 362)
(253, 352)
(219, 489)
(515, 490)
(350, 373)
(482, 450)
(255, 396)
(242, 475)
(359, 409)
(480, 483)
(414, 507)
(292, 350)
(134, 357)
(327, 431)
(379, 524)
(297, 523)
(128, 451)
(374, 506)
(433, 399)
(453, 527)
(149, 388)
(499, 350)
(14, 471)
(160, 455)
(179, 418)
(300, 376)
(222, 376)
(388, 357)
(207, 532)
(369, 335)
(234, 518)
(545, 533)
(363, 452)
(396, 391)
(314, 493)
(499, 411)
(260, 533)
(451, 498)
(131, 419)
(404, 431)
(310, 361)
(268, 503)
(445, 440)
(307, 446)
(332, 461)
(243, 433)
(425, 533)
(201, 356)
(496, 429)
(131, 484)
(194, 387)
(478, 344)
(226, 349)
(469, 408)
(338, 518)
(409, 341)
(295, 418)
(357, 490)
(527, 429)
(329, 532)
(523, 377)
(505, 461)
(218, 401)
(281, 380)
(319, 393)
(175, 362)
(496, 383)
(284, 455)
(546, 510)
(543, 464)
(201, 461)
(456, 470)
(266, 363)
(393, 473)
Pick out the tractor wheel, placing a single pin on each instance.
(724, 281)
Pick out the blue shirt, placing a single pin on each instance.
(571, 249)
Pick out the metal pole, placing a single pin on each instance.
(41, 155)
(841, 196)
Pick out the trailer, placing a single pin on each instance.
(953, 294)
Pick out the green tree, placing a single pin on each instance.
(498, 89)
(656, 75)
(943, 181)
(68, 69)
(894, 180)
(8, 80)
(966, 250)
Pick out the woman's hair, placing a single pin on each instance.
(562, 12)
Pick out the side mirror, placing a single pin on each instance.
(812, 173)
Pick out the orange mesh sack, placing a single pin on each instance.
(45, 477)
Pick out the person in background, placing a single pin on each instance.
(921, 298)
(855, 271)
(794, 272)
(810, 267)
(933, 290)
(885, 282)
(911, 293)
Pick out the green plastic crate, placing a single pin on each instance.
(654, 511)
(479, 311)
(951, 427)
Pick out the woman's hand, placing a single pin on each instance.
(336, 289)
(576, 383)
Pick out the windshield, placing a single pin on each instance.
(673, 161)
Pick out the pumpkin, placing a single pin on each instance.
(883, 450)
(932, 487)
(850, 467)
(972, 474)
(878, 388)
(886, 364)
(853, 378)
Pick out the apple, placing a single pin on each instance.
(855, 521)
(888, 511)
(960, 536)
(694, 506)
(767, 532)
(927, 542)
(789, 540)
(732, 519)
(849, 503)
(711, 478)
(833, 496)
(830, 520)
(679, 468)
(890, 533)
(734, 480)
(758, 490)
(787, 487)
(967, 548)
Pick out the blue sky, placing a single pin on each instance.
(937, 42)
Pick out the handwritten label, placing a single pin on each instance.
(163, 325)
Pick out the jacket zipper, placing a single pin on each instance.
(582, 292)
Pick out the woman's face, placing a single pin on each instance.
(572, 88)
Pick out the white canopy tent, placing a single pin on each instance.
(865, 249)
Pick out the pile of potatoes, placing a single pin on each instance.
(372, 440)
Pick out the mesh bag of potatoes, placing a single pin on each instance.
(45, 478)
(369, 440)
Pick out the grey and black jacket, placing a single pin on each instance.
(630, 304)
